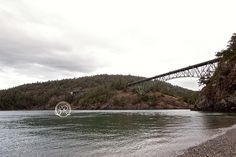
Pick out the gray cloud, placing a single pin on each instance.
(51, 39)
(19, 49)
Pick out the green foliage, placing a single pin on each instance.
(97, 95)
(188, 96)
(226, 55)
(230, 51)
(97, 89)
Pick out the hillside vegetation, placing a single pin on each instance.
(220, 93)
(97, 92)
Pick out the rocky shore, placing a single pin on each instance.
(221, 146)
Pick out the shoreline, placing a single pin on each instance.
(223, 145)
(105, 109)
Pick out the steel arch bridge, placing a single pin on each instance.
(202, 70)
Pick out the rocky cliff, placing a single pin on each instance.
(219, 93)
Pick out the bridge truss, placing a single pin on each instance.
(202, 71)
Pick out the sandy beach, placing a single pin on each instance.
(221, 146)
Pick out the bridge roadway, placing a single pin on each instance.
(198, 70)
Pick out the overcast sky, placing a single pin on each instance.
(54, 39)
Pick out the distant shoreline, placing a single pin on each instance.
(223, 145)
(103, 109)
(51, 109)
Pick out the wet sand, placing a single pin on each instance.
(220, 146)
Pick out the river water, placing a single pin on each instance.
(107, 133)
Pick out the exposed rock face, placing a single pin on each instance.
(220, 93)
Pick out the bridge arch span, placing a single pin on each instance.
(202, 70)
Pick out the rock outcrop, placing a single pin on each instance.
(219, 94)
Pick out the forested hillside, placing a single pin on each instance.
(97, 92)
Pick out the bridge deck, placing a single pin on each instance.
(175, 71)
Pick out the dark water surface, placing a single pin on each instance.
(107, 133)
